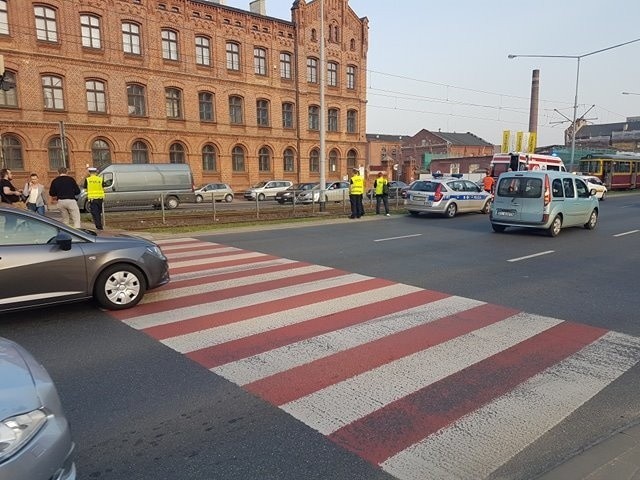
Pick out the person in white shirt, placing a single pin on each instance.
(35, 195)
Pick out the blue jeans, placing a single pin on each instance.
(34, 208)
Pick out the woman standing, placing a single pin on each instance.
(35, 195)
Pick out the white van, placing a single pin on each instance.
(502, 162)
(545, 200)
(144, 184)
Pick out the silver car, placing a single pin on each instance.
(446, 196)
(44, 262)
(214, 191)
(35, 442)
(334, 192)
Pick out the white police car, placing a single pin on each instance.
(446, 196)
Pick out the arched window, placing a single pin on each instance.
(237, 159)
(334, 161)
(169, 44)
(131, 41)
(136, 98)
(352, 44)
(12, 152)
(206, 104)
(176, 153)
(314, 117)
(262, 113)
(332, 120)
(203, 51)
(57, 157)
(96, 96)
(235, 110)
(314, 35)
(46, 23)
(264, 160)
(352, 159)
(173, 101)
(100, 153)
(209, 157)
(314, 161)
(233, 56)
(139, 152)
(289, 162)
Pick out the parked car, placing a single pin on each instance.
(404, 190)
(35, 441)
(290, 193)
(265, 190)
(545, 200)
(334, 192)
(46, 262)
(214, 191)
(594, 183)
(446, 196)
(395, 189)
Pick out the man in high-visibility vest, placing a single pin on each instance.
(381, 190)
(356, 190)
(95, 195)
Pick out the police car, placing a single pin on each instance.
(446, 196)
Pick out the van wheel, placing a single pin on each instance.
(498, 228)
(593, 220)
(452, 209)
(228, 198)
(120, 286)
(487, 206)
(555, 227)
(414, 213)
(261, 197)
(198, 198)
(172, 203)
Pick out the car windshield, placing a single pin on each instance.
(259, 185)
(203, 186)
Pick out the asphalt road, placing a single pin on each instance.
(141, 410)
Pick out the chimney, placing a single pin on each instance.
(258, 6)
(533, 109)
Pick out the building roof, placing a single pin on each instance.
(463, 139)
(606, 129)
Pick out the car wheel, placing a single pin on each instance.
(487, 206)
(172, 203)
(555, 227)
(198, 198)
(228, 198)
(414, 213)
(498, 228)
(120, 286)
(604, 195)
(593, 220)
(261, 197)
(451, 211)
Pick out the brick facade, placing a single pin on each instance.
(29, 59)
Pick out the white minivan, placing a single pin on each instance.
(545, 200)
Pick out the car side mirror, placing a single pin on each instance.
(63, 240)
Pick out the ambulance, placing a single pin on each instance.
(504, 162)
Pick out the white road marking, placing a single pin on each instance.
(626, 233)
(530, 256)
(397, 238)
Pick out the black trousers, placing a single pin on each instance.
(357, 208)
(95, 206)
(384, 199)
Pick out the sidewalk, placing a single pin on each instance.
(616, 458)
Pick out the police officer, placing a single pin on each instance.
(356, 190)
(95, 194)
(381, 189)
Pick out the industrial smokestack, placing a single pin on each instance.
(533, 109)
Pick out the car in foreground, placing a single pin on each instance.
(214, 192)
(35, 441)
(292, 192)
(45, 262)
(447, 196)
(395, 189)
(266, 190)
(544, 200)
(594, 183)
(334, 192)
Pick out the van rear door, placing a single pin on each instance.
(519, 199)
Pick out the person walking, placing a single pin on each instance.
(35, 194)
(356, 190)
(63, 191)
(488, 182)
(95, 194)
(381, 189)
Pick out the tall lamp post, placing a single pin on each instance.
(630, 93)
(575, 102)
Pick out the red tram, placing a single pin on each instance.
(617, 171)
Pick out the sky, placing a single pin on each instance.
(444, 66)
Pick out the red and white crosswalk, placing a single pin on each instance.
(424, 384)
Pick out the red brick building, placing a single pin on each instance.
(233, 93)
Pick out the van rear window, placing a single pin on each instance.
(519, 187)
(425, 186)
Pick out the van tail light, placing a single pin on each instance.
(547, 191)
(438, 193)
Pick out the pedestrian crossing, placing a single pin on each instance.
(423, 384)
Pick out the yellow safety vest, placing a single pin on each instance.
(380, 183)
(94, 187)
(357, 185)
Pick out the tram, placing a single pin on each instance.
(617, 171)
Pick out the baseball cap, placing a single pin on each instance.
(92, 169)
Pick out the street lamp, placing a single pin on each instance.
(575, 102)
(630, 93)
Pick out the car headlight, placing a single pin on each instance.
(155, 250)
(16, 431)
